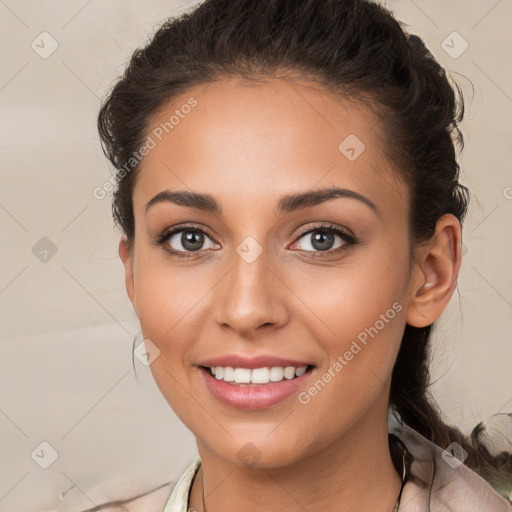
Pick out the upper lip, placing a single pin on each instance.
(261, 361)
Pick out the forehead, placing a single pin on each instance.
(265, 139)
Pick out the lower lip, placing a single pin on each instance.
(245, 396)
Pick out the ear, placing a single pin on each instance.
(125, 253)
(436, 268)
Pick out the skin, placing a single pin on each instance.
(248, 145)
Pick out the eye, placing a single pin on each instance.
(322, 238)
(182, 240)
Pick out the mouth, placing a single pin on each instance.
(254, 388)
(256, 376)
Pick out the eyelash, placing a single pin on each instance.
(329, 228)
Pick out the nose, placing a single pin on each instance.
(251, 299)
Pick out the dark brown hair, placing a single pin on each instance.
(355, 48)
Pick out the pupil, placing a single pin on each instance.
(192, 240)
(322, 240)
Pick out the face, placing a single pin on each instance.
(262, 282)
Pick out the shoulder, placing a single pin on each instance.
(442, 482)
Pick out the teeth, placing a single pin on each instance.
(257, 375)
(242, 375)
(276, 374)
(229, 374)
(289, 372)
(300, 371)
(260, 376)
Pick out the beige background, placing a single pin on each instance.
(67, 326)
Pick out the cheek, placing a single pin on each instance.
(166, 301)
(357, 316)
(343, 301)
(360, 359)
(166, 298)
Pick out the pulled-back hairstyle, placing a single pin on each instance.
(354, 48)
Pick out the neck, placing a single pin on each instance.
(353, 473)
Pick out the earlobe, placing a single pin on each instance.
(125, 253)
(436, 271)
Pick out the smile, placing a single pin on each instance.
(263, 375)
(254, 388)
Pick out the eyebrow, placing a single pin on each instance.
(288, 203)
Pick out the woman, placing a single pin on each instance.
(291, 213)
